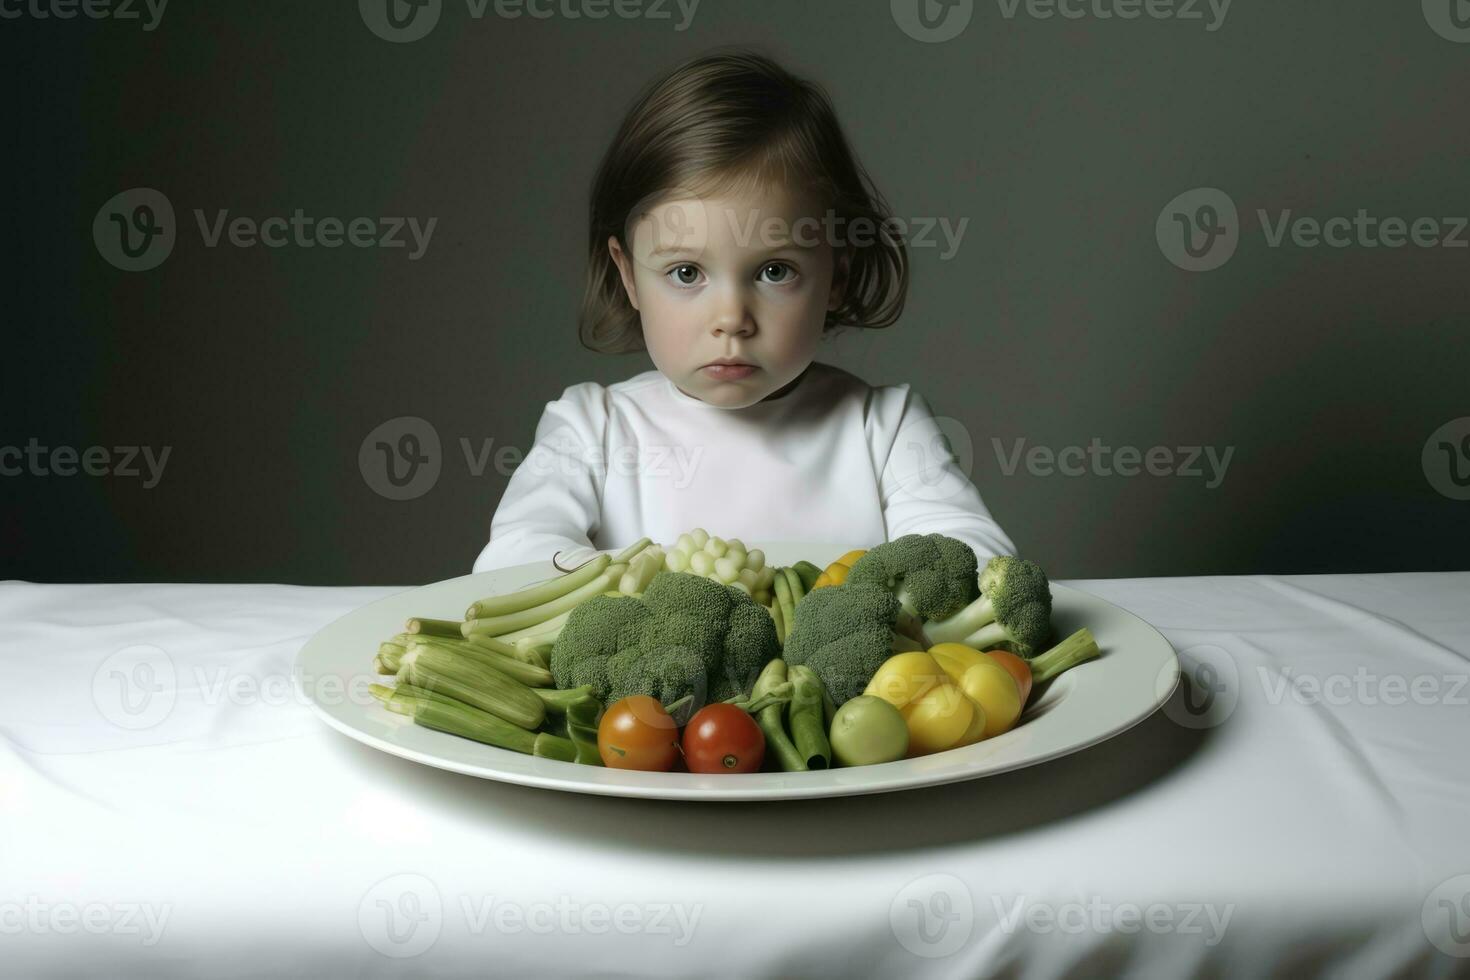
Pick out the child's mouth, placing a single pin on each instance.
(729, 372)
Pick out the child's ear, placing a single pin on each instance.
(839, 280)
(625, 269)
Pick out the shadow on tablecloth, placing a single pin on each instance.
(992, 807)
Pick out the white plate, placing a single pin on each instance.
(1134, 676)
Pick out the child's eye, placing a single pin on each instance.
(781, 280)
(687, 275)
(679, 280)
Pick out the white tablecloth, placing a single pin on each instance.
(1301, 808)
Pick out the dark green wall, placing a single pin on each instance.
(1324, 371)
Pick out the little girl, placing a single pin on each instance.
(732, 230)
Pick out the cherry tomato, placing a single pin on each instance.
(1017, 668)
(723, 738)
(637, 733)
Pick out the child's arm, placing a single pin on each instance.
(924, 490)
(553, 501)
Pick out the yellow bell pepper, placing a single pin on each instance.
(836, 573)
(938, 712)
(983, 680)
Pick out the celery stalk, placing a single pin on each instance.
(528, 674)
(390, 654)
(432, 627)
(543, 633)
(633, 549)
(434, 710)
(475, 684)
(515, 650)
(509, 622)
(514, 602)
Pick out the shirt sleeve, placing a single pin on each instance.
(923, 486)
(553, 501)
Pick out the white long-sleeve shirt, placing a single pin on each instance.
(833, 460)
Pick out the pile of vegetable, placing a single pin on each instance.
(700, 656)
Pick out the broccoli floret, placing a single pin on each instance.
(685, 634)
(750, 638)
(1013, 611)
(932, 575)
(591, 636)
(844, 633)
(667, 674)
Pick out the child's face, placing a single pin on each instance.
(749, 279)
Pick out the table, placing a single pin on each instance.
(1299, 807)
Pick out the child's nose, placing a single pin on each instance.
(733, 318)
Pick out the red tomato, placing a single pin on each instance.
(723, 738)
(637, 733)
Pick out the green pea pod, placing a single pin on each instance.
(548, 746)
(582, 719)
(808, 731)
(829, 707)
(795, 584)
(778, 744)
(808, 573)
(787, 603)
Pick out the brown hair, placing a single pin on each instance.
(723, 122)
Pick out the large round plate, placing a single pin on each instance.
(1135, 675)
